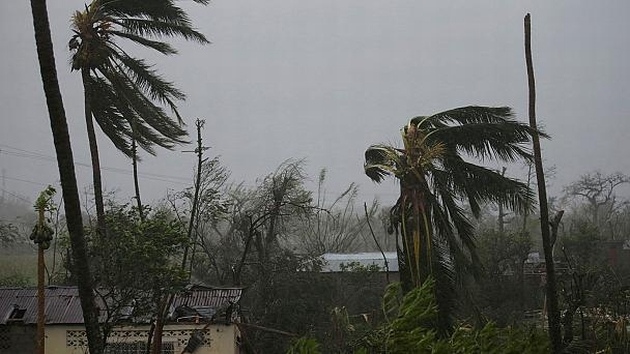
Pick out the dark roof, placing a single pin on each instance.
(63, 305)
(208, 297)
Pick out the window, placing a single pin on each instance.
(17, 314)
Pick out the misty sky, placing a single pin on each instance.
(322, 80)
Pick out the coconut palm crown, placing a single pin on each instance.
(127, 95)
(130, 101)
(437, 179)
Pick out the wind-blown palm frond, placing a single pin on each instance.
(381, 161)
(108, 115)
(157, 28)
(436, 180)
(134, 91)
(480, 185)
(122, 93)
(481, 132)
(159, 46)
(444, 275)
(149, 82)
(144, 111)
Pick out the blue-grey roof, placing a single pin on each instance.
(333, 261)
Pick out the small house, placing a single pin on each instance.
(207, 315)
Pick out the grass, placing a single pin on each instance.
(20, 268)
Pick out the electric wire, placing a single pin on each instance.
(21, 153)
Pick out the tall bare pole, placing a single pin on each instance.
(193, 213)
(156, 344)
(136, 183)
(553, 313)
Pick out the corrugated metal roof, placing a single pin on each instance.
(63, 305)
(210, 297)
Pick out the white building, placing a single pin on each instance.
(334, 262)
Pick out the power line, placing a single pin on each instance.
(21, 153)
(15, 195)
(26, 181)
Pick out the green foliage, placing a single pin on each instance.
(127, 97)
(583, 246)
(141, 248)
(503, 253)
(304, 345)
(44, 200)
(494, 340)
(412, 330)
(436, 178)
(19, 267)
(503, 293)
(9, 234)
(138, 260)
(358, 267)
(42, 234)
(336, 309)
(15, 280)
(290, 299)
(249, 236)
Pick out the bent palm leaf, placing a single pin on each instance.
(436, 180)
(128, 99)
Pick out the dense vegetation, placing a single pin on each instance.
(344, 312)
(471, 278)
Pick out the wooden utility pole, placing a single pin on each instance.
(199, 151)
(134, 164)
(553, 313)
(156, 344)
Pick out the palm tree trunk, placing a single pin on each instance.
(553, 316)
(65, 164)
(96, 164)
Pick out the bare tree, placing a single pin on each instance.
(598, 190)
(335, 226)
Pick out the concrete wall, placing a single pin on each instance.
(218, 339)
(17, 338)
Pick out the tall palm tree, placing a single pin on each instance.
(65, 164)
(126, 97)
(436, 181)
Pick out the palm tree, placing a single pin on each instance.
(436, 181)
(65, 164)
(126, 97)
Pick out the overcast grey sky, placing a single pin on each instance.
(322, 80)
